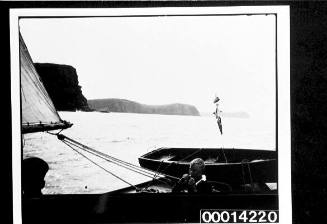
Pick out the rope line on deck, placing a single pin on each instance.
(140, 170)
(111, 158)
(108, 160)
(101, 166)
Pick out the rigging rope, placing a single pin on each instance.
(222, 149)
(112, 159)
(246, 162)
(93, 153)
(155, 175)
(143, 171)
(101, 166)
(157, 172)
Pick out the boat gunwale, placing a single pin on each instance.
(208, 163)
(147, 156)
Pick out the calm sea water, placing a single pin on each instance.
(128, 136)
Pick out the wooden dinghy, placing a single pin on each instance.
(228, 165)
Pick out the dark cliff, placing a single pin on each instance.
(127, 106)
(61, 83)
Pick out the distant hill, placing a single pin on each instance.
(236, 114)
(128, 106)
(229, 114)
(61, 83)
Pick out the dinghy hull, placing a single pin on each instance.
(232, 166)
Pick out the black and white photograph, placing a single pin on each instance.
(151, 114)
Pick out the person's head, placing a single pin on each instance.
(196, 168)
(33, 172)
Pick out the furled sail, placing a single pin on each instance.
(38, 111)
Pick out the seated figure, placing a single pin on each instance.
(33, 172)
(195, 181)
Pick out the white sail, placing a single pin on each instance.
(38, 111)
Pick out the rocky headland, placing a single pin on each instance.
(128, 106)
(61, 83)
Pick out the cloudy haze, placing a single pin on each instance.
(161, 60)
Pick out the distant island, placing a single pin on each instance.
(128, 106)
(236, 114)
(229, 114)
(61, 83)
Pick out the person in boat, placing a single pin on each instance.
(195, 181)
(217, 113)
(33, 172)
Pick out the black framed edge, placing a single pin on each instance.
(158, 15)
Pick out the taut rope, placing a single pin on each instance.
(140, 170)
(101, 166)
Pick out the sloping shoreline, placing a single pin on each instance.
(128, 106)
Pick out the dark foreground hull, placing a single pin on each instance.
(125, 206)
(232, 166)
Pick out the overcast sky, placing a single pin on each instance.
(161, 60)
